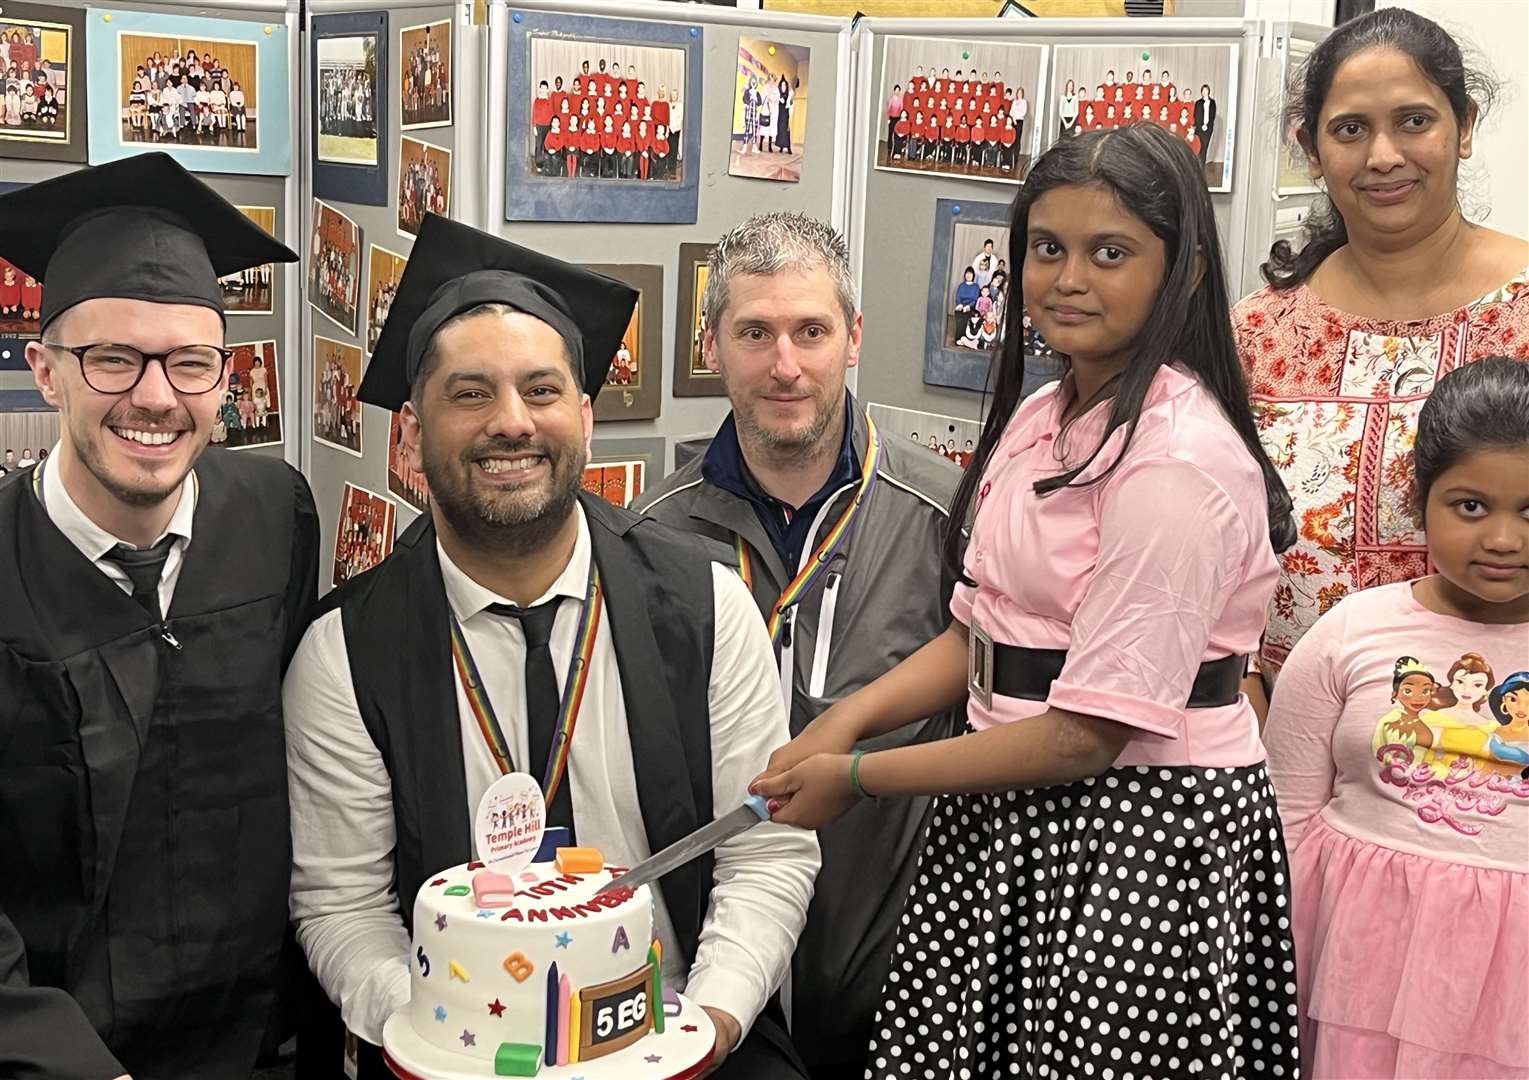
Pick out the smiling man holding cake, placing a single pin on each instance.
(447, 666)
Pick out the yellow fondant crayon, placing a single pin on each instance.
(456, 971)
(573, 1029)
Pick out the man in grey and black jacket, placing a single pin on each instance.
(837, 533)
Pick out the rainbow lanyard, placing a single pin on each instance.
(816, 566)
(573, 690)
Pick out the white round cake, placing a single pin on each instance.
(508, 966)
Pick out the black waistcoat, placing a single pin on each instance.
(144, 846)
(658, 600)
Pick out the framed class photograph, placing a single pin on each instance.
(336, 409)
(252, 291)
(20, 313)
(692, 378)
(769, 140)
(603, 120)
(384, 270)
(631, 390)
(42, 79)
(424, 184)
(969, 288)
(971, 109)
(1188, 90)
(251, 412)
(951, 437)
(334, 266)
(403, 481)
(365, 533)
(619, 470)
(350, 80)
(1294, 174)
(210, 92)
(424, 64)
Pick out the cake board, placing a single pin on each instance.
(683, 1052)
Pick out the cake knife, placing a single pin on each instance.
(754, 810)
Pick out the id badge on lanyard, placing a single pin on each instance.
(979, 665)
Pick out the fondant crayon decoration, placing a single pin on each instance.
(492, 889)
(424, 962)
(573, 1028)
(553, 837)
(580, 860)
(549, 1043)
(457, 890)
(517, 1059)
(457, 971)
(565, 1033)
(518, 966)
(656, 1001)
(621, 941)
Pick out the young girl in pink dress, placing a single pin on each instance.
(1396, 747)
(1102, 889)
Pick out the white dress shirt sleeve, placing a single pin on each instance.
(763, 878)
(343, 835)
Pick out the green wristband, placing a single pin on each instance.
(854, 777)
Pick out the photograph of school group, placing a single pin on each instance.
(34, 61)
(250, 414)
(347, 93)
(179, 91)
(769, 110)
(978, 286)
(336, 409)
(426, 75)
(250, 291)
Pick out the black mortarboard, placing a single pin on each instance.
(454, 268)
(142, 228)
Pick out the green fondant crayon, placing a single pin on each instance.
(657, 1002)
(458, 890)
(517, 1059)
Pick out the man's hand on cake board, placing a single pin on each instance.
(729, 1031)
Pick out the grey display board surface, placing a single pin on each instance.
(268, 191)
(894, 219)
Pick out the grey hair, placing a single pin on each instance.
(770, 244)
(491, 307)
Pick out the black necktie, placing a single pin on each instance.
(143, 568)
(543, 700)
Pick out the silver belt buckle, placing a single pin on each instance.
(979, 665)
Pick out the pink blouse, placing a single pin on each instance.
(1140, 577)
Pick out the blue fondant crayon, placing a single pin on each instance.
(550, 1043)
(553, 837)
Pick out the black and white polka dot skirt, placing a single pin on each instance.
(1130, 926)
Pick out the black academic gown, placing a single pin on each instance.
(144, 847)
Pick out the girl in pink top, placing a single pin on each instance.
(1399, 745)
(1103, 878)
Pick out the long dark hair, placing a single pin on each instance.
(1158, 179)
(1436, 54)
(1478, 405)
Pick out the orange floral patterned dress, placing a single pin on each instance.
(1336, 397)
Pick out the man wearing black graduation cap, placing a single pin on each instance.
(492, 353)
(152, 595)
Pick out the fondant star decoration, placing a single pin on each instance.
(485, 914)
(653, 1059)
(468, 1038)
(440, 1015)
(564, 939)
(688, 1028)
(440, 921)
(496, 1008)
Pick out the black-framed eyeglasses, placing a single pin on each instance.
(117, 369)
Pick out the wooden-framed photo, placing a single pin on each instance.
(1190, 91)
(334, 266)
(384, 271)
(251, 412)
(424, 64)
(619, 470)
(403, 481)
(252, 291)
(969, 289)
(692, 378)
(769, 138)
(365, 533)
(603, 120)
(336, 409)
(424, 183)
(970, 109)
(210, 92)
(631, 390)
(43, 73)
(350, 80)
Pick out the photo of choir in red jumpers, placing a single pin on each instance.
(959, 110)
(606, 112)
(365, 533)
(949, 436)
(334, 266)
(20, 302)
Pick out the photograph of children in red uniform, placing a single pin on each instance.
(336, 409)
(425, 75)
(250, 292)
(34, 61)
(424, 183)
(1190, 91)
(403, 481)
(617, 482)
(20, 302)
(605, 111)
(949, 436)
(250, 415)
(769, 111)
(365, 533)
(960, 109)
(979, 286)
(334, 266)
(385, 269)
(179, 91)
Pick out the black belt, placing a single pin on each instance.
(1028, 673)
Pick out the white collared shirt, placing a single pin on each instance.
(94, 542)
(343, 831)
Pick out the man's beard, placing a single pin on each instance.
(518, 522)
(93, 456)
(800, 442)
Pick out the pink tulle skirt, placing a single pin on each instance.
(1408, 967)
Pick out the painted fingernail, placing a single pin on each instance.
(774, 805)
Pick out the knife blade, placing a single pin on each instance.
(754, 810)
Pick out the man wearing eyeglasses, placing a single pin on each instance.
(150, 597)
